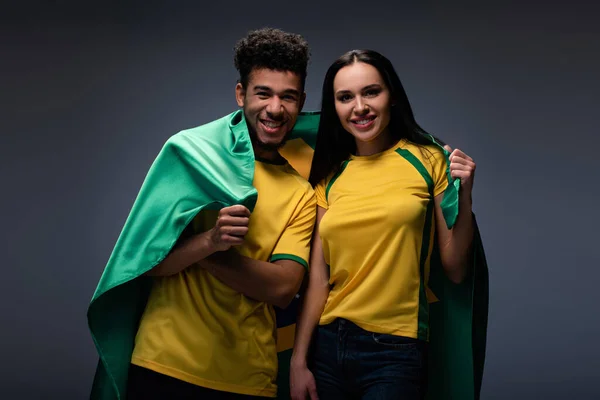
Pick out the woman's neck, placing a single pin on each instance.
(381, 143)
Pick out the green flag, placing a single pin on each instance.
(212, 166)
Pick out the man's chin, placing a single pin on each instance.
(269, 146)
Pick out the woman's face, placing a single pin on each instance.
(362, 102)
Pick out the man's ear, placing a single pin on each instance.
(302, 100)
(240, 93)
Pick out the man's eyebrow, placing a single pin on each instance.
(262, 88)
(292, 91)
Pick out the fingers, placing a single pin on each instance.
(232, 217)
(230, 240)
(231, 227)
(312, 391)
(296, 393)
(461, 174)
(461, 166)
(237, 210)
(460, 161)
(448, 148)
(234, 230)
(464, 165)
(228, 220)
(301, 394)
(459, 155)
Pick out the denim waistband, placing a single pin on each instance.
(341, 323)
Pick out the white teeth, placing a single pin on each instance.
(363, 121)
(270, 124)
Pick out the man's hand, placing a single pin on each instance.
(230, 228)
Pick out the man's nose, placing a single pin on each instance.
(275, 106)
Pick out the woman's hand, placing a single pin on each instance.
(463, 167)
(302, 383)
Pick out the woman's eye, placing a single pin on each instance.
(372, 92)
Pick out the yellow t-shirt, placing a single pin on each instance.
(377, 236)
(197, 329)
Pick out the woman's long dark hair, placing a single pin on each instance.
(334, 143)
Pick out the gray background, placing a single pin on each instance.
(90, 93)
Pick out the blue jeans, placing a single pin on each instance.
(352, 363)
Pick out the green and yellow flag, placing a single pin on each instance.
(213, 166)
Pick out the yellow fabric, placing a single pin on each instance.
(299, 155)
(285, 337)
(372, 233)
(197, 329)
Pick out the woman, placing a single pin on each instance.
(379, 181)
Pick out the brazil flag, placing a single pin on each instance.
(213, 165)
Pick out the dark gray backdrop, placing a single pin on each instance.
(90, 93)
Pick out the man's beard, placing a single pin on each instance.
(270, 147)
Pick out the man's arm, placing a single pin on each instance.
(190, 252)
(275, 283)
(229, 230)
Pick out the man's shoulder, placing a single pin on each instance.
(207, 129)
(284, 179)
(300, 182)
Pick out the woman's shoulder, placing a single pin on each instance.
(324, 182)
(427, 153)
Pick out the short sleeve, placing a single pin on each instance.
(320, 194)
(440, 171)
(294, 243)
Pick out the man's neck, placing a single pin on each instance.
(271, 156)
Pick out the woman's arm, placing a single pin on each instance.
(455, 244)
(314, 298)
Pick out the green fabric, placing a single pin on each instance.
(276, 257)
(450, 202)
(410, 157)
(212, 166)
(337, 175)
(429, 221)
(459, 306)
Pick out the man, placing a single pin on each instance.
(208, 326)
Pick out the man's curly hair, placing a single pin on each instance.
(272, 49)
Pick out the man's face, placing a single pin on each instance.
(271, 103)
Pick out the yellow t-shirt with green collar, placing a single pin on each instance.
(378, 235)
(197, 329)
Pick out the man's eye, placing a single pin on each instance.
(262, 94)
(289, 97)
